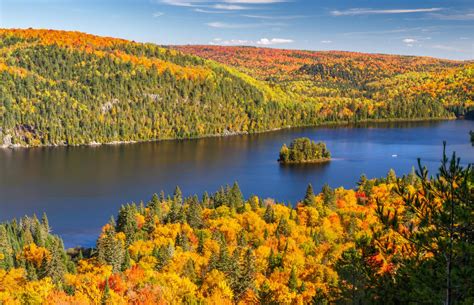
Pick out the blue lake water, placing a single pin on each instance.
(81, 187)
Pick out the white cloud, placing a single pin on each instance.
(229, 7)
(273, 41)
(255, 1)
(241, 42)
(200, 10)
(290, 17)
(326, 41)
(409, 42)
(208, 3)
(231, 42)
(369, 11)
(158, 14)
(185, 3)
(223, 25)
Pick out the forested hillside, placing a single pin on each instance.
(70, 88)
(349, 85)
(393, 240)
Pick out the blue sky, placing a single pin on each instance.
(418, 27)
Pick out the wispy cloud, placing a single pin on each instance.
(273, 41)
(369, 11)
(185, 3)
(326, 41)
(267, 17)
(229, 7)
(158, 14)
(458, 16)
(204, 11)
(210, 3)
(230, 42)
(241, 42)
(255, 1)
(225, 25)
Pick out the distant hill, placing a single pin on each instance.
(71, 88)
(348, 84)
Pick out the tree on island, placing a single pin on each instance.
(303, 150)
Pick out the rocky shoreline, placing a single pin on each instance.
(6, 143)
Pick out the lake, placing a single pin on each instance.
(81, 187)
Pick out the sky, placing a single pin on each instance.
(443, 29)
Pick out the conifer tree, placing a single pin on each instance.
(438, 223)
(236, 197)
(269, 215)
(189, 270)
(329, 196)
(126, 264)
(45, 223)
(6, 250)
(178, 196)
(127, 223)
(194, 214)
(106, 294)
(56, 267)
(309, 196)
(293, 280)
(109, 248)
(246, 278)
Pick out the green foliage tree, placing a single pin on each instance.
(303, 150)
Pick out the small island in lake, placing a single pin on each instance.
(303, 150)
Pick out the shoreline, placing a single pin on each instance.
(323, 160)
(230, 134)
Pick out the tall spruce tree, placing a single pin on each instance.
(438, 223)
(109, 248)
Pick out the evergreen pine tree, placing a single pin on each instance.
(178, 196)
(56, 267)
(126, 264)
(194, 214)
(127, 223)
(309, 196)
(246, 275)
(442, 212)
(45, 223)
(329, 196)
(109, 248)
(106, 294)
(269, 215)
(293, 280)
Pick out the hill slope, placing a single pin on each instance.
(70, 88)
(348, 84)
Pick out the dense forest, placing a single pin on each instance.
(70, 88)
(303, 150)
(356, 86)
(393, 240)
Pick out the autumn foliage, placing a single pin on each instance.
(72, 88)
(339, 246)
